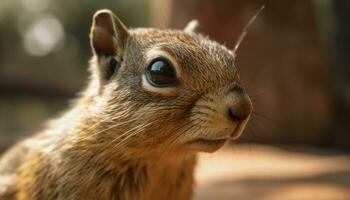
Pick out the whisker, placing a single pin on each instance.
(140, 129)
(109, 128)
(266, 118)
(245, 30)
(122, 135)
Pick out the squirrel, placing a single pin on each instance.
(154, 99)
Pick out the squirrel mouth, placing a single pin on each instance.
(207, 145)
(238, 130)
(213, 141)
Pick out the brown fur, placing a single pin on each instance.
(120, 141)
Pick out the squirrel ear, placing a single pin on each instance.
(192, 26)
(108, 34)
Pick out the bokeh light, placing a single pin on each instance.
(45, 35)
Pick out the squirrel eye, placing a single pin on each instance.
(161, 73)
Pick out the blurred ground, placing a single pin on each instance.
(259, 172)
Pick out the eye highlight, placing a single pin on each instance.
(161, 73)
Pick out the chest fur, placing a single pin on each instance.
(173, 180)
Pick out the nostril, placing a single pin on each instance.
(233, 115)
(240, 110)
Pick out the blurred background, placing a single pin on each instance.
(294, 63)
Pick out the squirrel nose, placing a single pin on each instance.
(240, 106)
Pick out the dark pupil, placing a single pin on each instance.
(161, 73)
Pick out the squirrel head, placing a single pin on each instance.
(164, 89)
